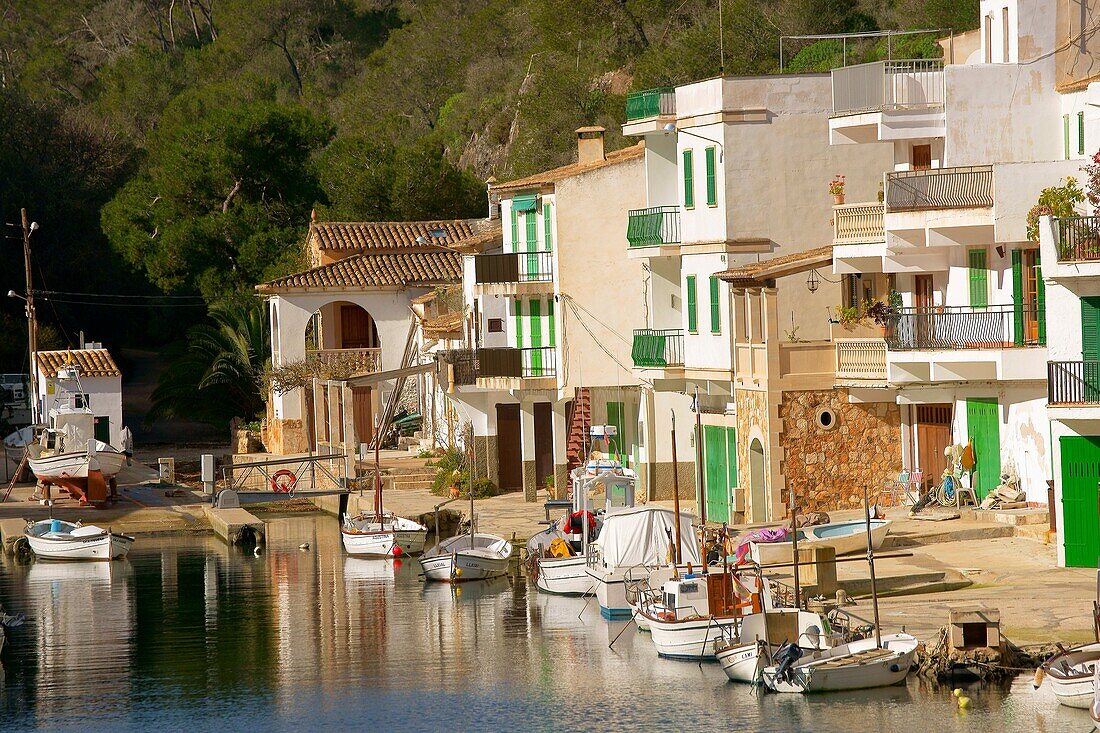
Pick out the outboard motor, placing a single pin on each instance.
(785, 658)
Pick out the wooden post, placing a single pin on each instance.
(794, 548)
(871, 565)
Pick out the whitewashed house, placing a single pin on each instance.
(98, 387)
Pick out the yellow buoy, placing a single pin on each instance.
(458, 572)
(964, 702)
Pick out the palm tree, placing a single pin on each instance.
(217, 373)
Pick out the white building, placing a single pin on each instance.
(98, 387)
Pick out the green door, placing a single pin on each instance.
(717, 473)
(984, 428)
(1080, 525)
(534, 320)
(102, 429)
(1090, 348)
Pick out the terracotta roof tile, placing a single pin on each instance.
(779, 266)
(539, 179)
(90, 362)
(447, 323)
(388, 235)
(411, 268)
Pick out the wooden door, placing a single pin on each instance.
(544, 442)
(923, 291)
(933, 436)
(983, 426)
(356, 328)
(362, 413)
(716, 474)
(924, 302)
(509, 449)
(102, 429)
(922, 157)
(1080, 473)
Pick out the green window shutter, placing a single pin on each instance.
(1017, 298)
(712, 182)
(1065, 135)
(1041, 304)
(984, 428)
(979, 279)
(547, 228)
(689, 180)
(693, 314)
(615, 416)
(534, 321)
(519, 323)
(1080, 133)
(1090, 329)
(731, 455)
(515, 230)
(715, 309)
(716, 473)
(550, 322)
(532, 245)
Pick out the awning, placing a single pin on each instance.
(524, 203)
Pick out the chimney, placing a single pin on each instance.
(494, 200)
(590, 144)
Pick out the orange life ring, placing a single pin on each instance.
(286, 485)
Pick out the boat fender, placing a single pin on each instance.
(1040, 675)
(895, 668)
(283, 481)
(397, 551)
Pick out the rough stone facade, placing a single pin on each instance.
(530, 485)
(828, 468)
(486, 464)
(752, 411)
(662, 485)
(285, 437)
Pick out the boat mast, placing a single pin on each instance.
(794, 547)
(32, 323)
(377, 481)
(871, 564)
(675, 491)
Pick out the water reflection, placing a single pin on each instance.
(191, 634)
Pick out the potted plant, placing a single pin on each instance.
(836, 188)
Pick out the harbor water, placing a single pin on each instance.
(188, 634)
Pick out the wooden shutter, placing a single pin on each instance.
(979, 279)
(1081, 530)
(1090, 329)
(922, 157)
(1017, 298)
(1080, 133)
(547, 229)
(712, 182)
(715, 310)
(515, 230)
(550, 322)
(1065, 135)
(689, 180)
(693, 315)
(1041, 304)
(534, 322)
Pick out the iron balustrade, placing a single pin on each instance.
(523, 363)
(858, 223)
(655, 225)
(353, 361)
(961, 327)
(940, 188)
(514, 267)
(650, 103)
(658, 347)
(861, 359)
(882, 86)
(1073, 382)
(1079, 239)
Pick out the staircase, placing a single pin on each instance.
(580, 419)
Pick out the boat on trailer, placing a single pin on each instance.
(54, 539)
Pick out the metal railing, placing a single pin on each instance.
(355, 361)
(861, 359)
(1073, 382)
(960, 327)
(514, 267)
(858, 223)
(888, 85)
(464, 364)
(940, 188)
(655, 225)
(1078, 238)
(658, 347)
(650, 103)
(285, 476)
(525, 363)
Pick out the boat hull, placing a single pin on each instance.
(691, 640)
(108, 547)
(75, 465)
(564, 576)
(817, 676)
(382, 544)
(778, 553)
(460, 567)
(610, 588)
(1076, 688)
(741, 662)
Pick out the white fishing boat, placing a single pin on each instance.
(744, 657)
(857, 665)
(633, 538)
(53, 539)
(467, 557)
(694, 611)
(384, 535)
(1094, 709)
(844, 537)
(1070, 675)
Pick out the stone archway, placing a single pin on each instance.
(341, 325)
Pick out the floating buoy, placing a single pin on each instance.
(303, 546)
(256, 551)
(964, 702)
(397, 551)
(458, 572)
(1040, 675)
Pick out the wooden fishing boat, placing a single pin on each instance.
(692, 612)
(1094, 709)
(857, 665)
(382, 535)
(744, 657)
(53, 539)
(844, 537)
(1070, 675)
(467, 557)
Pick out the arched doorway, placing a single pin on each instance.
(339, 326)
(757, 487)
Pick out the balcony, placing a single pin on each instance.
(654, 226)
(858, 224)
(1078, 239)
(514, 273)
(350, 362)
(659, 102)
(861, 362)
(940, 188)
(658, 348)
(463, 364)
(962, 327)
(1073, 383)
(511, 368)
(888, 100)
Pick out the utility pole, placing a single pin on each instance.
(32, 325)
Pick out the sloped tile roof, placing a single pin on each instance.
(779, 266)
(546, 177)
(444, 324)
(411, 268)
(90, 362)
(388, 235)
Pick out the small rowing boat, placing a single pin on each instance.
(1070, 674)
(384, 535)
(53, 539)
(467, 557)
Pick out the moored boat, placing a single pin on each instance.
(54, 539)
(384, 535)
(844, 537)
(857, 665)
(467, 557)
(694, 611)
(744, 657)
(1070, 675)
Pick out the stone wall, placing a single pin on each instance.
(486, 464)
(662, 485)
(828, 468)
(285, 437)
(752, 411)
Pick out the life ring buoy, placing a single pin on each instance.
(283, 481)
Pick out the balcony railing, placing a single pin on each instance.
(518, 267)
(650, 103)
(658, 348)
(940, 188)
(1079, 239)
(954, 328)
(539, 361)
(1073, 382)
(652, 226)
(888, 85)
(858, 224)
(863, 359)
(349, 361)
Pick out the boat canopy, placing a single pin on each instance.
(640, 535)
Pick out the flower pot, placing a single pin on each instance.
(454, 492)
(838, 198)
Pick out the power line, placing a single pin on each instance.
(74, 301)
(117, 295)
